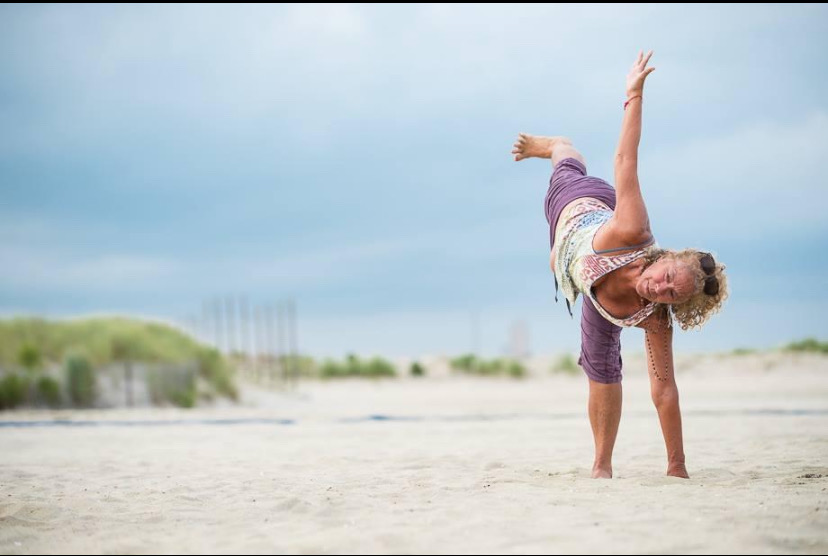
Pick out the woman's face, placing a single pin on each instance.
(666, 281)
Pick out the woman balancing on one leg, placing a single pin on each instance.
(603, 248)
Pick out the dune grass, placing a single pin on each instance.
(31, 344)
(811, 345)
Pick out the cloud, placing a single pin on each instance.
(310, 268)
(46, 269)
(764, 178)
(352, 154)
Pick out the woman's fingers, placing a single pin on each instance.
(647, 59)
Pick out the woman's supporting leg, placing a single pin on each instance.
(604, 416)
(601, 360)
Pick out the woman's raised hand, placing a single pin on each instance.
(638, 73)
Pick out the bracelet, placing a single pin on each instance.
(629, 100)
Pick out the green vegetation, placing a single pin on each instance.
(48, 392)
(81, 346)
(811, 345)
(495, 367)
(298, 366)
(172, 387)
(29, 358)
(353, 366)
(566, 364)
(216, 371)
(13, 389)
(103, 340)
(80, 380)
(417, 370)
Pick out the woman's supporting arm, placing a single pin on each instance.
(658, 343)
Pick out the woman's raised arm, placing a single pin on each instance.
(630, 224)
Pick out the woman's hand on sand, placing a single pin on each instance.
(638, 73)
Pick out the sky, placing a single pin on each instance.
(356, 159)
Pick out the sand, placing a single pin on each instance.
(437, 465)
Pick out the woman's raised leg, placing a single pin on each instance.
(555, 148)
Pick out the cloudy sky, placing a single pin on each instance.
(356, 159)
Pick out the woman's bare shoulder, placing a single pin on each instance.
(611, 237)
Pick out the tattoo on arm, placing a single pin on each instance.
(652, 362)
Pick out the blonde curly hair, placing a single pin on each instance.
(700, 307)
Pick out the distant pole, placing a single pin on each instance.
(230, 305)
(292, 338)
(130, 398)
(269, 338)
(218, 324)
(257, 338)
(475, 332)
(245, 323)
(206, 329)
(283, 362)
(193, 320)
(519, 340)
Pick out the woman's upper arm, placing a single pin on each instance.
(629, 225)
(658, 343)
(630, 218)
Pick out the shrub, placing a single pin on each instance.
(29, 358)
(515, 370)
(565, 364)
(172, 385)
(213, 368)
(495, 367)
(354, 367)
(809, 345)
(13, 390)
(48, 391)
(417, 370)
(80, 381)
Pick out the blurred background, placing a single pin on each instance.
(290, 191)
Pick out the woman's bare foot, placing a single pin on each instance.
(677, 470)
(529, 146)
(601, 472)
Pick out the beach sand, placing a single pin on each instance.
(436, 465)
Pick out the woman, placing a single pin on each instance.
(602, 247)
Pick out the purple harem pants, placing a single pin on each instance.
(600, 339)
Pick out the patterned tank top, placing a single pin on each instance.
(578, 266)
